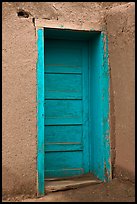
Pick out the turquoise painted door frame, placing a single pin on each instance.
(40, 113)
(99, 130)
(99, 79)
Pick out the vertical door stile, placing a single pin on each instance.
(85, 65)
(40, 113)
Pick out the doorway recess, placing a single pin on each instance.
(96, 156)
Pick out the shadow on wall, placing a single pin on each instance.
(14, 185)
(124, 174)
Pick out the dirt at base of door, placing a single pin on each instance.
(115, 191)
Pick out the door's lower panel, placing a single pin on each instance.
(63, 164)
(63, 173)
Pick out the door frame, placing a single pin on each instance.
(40, 113)
(104, 172)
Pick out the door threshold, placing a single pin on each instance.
(60, 184)
(70, 177)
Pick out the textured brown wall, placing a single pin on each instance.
(121, 30)
(18, 104)
(19, 56)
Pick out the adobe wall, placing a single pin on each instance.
(19, 57)
(120, 22)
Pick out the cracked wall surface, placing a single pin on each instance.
(19, 57)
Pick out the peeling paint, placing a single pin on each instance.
(61, 26)
(106, 109)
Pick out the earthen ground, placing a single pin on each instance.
(70, 183)
(115, 191)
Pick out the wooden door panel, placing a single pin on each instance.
(62, 134)
(63, 112)
(65, 159)
(65, 106)
(63, 86)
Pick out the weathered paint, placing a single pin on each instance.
(99, 130)
(66, 108)
(99, 108)
(40, 113)
(105, 89)
(92, 29)
(95, 114)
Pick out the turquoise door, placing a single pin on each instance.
(66, 108)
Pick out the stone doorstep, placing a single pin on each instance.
(66, 184)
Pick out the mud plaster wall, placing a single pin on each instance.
(120, 23)
(19, 56)
(18, 104)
